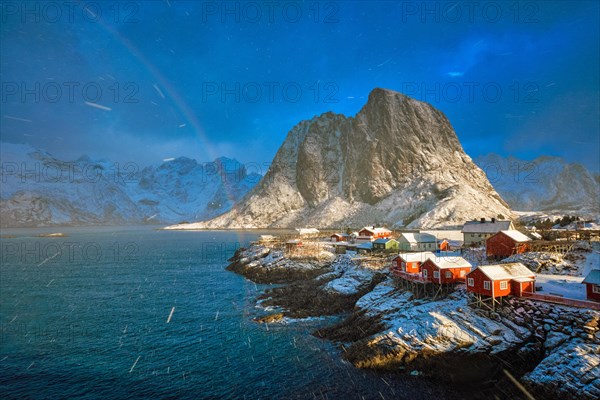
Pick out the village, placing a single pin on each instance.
(417, 301)
(484, 256)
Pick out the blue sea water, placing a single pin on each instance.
(87, 316)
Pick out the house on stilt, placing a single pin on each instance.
(489, 284)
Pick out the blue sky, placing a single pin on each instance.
(146, 81)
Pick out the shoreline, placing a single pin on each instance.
(387, 329)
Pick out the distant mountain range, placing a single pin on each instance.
(40, 190)
(543, 184)
(398, 162)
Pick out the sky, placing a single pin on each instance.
(144, 81)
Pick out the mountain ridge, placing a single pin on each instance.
(39, 189)
(546, 183)
(398, 161)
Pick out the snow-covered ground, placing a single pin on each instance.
(592, 259)
(352, 277)
(564, 285)
(475, 256)
(574, 361)
(437, 326)
(575, 263)
(424, 328)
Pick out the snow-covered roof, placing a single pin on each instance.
(414, 257)
(383, 240)
(506, 271)
(408, 237)
(413, 237)
(450, 262)
(593, 277)
(341, 244)
(523, 279)
(266, 237)
(535, 235)
(516, 235)
(486, 227)
(294, 241)
(376, 230)
(307, 231)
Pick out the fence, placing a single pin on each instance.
(410, 277)
(562, 300)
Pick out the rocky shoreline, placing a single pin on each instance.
(547, 350)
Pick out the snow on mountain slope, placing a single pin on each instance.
(543, 184)
(398, 161)
(41, 190)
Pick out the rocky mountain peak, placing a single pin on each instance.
(398, 161)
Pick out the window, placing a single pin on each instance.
(436, 274)
(596, 289)
(487, 285)
(503, 285)
(471, 282)
(424, 273)
(448, 274)
(463, 273)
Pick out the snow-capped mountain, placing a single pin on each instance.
(398, 161)
(40, 190)
(543, 184)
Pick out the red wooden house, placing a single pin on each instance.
(444, 245)
(410, 262)
(501, 280)
(506, 243)
(592, 285)
(443, 270)
(337, 237)
(293, 245)
(372, 233)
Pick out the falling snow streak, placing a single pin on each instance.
(160, 93)
(170, 315)
(48, 259)
(96, 105)
(17, 118)
(134, 364)
(518, 384)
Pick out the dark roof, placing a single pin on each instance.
(383, 240)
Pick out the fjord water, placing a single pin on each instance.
(85, 316)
